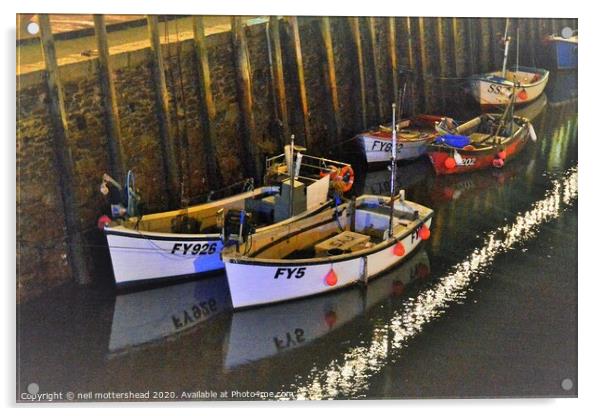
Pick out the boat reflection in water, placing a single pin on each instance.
(563, 88)
(409, 174)
(143, 317)
(272, 330)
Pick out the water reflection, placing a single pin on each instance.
(349, 376)
(151, 315)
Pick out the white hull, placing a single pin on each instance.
(142, 256)
(497, 92)
(256, 281)
(265, 332)
(378, 150)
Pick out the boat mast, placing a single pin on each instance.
(517, 44)
(393, 170)
(506, 45)
(291, 173)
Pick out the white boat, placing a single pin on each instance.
(336, 248)
(259, 333)
(495, 88)
(350, 243)
(188, 241)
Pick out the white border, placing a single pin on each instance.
(589, 177)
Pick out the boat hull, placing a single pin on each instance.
(490, 92)
(473, 160)
(140, 257)
(378, 149)
(254, 283)
(565, 52)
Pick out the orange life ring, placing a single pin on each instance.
(346, 176)
(332, 171)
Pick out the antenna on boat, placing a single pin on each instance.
(506, 45)
(393, 169)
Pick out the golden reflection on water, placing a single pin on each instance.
(349, 376)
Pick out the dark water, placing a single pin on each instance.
(488, 307)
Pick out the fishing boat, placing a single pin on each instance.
(350, 243)
(187, 241)
(489, 140)
(564, 49)
(495, 88)
(413, 136)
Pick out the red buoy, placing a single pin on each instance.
(449, 163)
(502, 154)
(523, 94)
(424, 232)
(331, 278)
(102, 221)
(399, 249)
(498, 163)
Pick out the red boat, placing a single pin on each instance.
(483, 142)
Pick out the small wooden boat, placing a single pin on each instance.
(413, 136)
(350, 243)
(347, 244)
(188, 241)
(483, 142)
(495, 88)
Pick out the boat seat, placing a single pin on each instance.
(345, 242)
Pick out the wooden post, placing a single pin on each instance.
(392, 32)
(64, 163)
(332, 77)
(301, 78)
(426, 68)
(374, 49)
(444, 60)
(208, 111)
(357, 40)
(532, 39)
(484, 45)
(166, 127)
(279, 73)
(109, 96)
(253, 163)
(409, 44)
(459, 37)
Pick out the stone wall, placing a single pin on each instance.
(42, 254)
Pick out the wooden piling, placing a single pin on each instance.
(109, 97)
(279, 74)
(425, 66)
(459, 39)
(484, 46)
(332, 77)
(166, 127)
(357, 39)
(392, 32)
(207, 106)
(409, 44)
(253, 164)
(301, 78)
(376, 71)
(64, 163)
